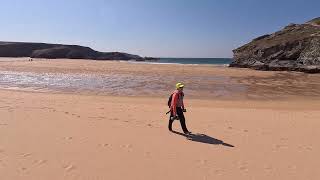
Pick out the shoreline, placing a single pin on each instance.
(159, 63)
(134, 79)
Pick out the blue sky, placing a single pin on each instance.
(161, 28)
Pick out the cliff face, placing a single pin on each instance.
(294, 48)
(54, 51)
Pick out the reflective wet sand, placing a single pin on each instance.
(128, 79)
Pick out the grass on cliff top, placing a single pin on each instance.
(315, 21)
(284, 36)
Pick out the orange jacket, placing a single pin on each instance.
(177, 101)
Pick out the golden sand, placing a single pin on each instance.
(79, 137)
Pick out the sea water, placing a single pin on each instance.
(190, 61)
(210, 61)
(117, 84)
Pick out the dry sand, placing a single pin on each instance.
(52, 136)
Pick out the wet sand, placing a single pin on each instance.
(136, 79)
(56, 135)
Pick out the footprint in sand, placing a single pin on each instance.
(309, 148)
(75, 115)
(218, 172)
(114, 119)
(40, 162)
(281, 146)
(243, 166)
(305, 148)
(105, 145)
(69, 167)
(69, 138)
(268, 168)
(128, 147)
(147, 154)
(97, 117)
(25, 155)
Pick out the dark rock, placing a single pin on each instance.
(54, 51)
(261, 37)
(294, 48)
(151, 58)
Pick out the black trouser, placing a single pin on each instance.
(181, 119)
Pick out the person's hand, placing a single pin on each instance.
(184, 110)
(174, 117)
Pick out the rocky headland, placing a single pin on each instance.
(294, 48)
(57, 51)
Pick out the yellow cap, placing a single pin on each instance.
(179, 85)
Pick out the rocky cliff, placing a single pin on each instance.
(54, 51)
(294, 48)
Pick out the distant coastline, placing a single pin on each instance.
(60, 51)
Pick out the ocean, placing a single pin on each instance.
(194, 61)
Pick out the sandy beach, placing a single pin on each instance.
(266, 129)
(156, 80)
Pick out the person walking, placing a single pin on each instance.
(177, 108)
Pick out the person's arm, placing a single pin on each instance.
(174, 104)
(182, 101)
(183, 104)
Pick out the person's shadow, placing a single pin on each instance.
(202, 138)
